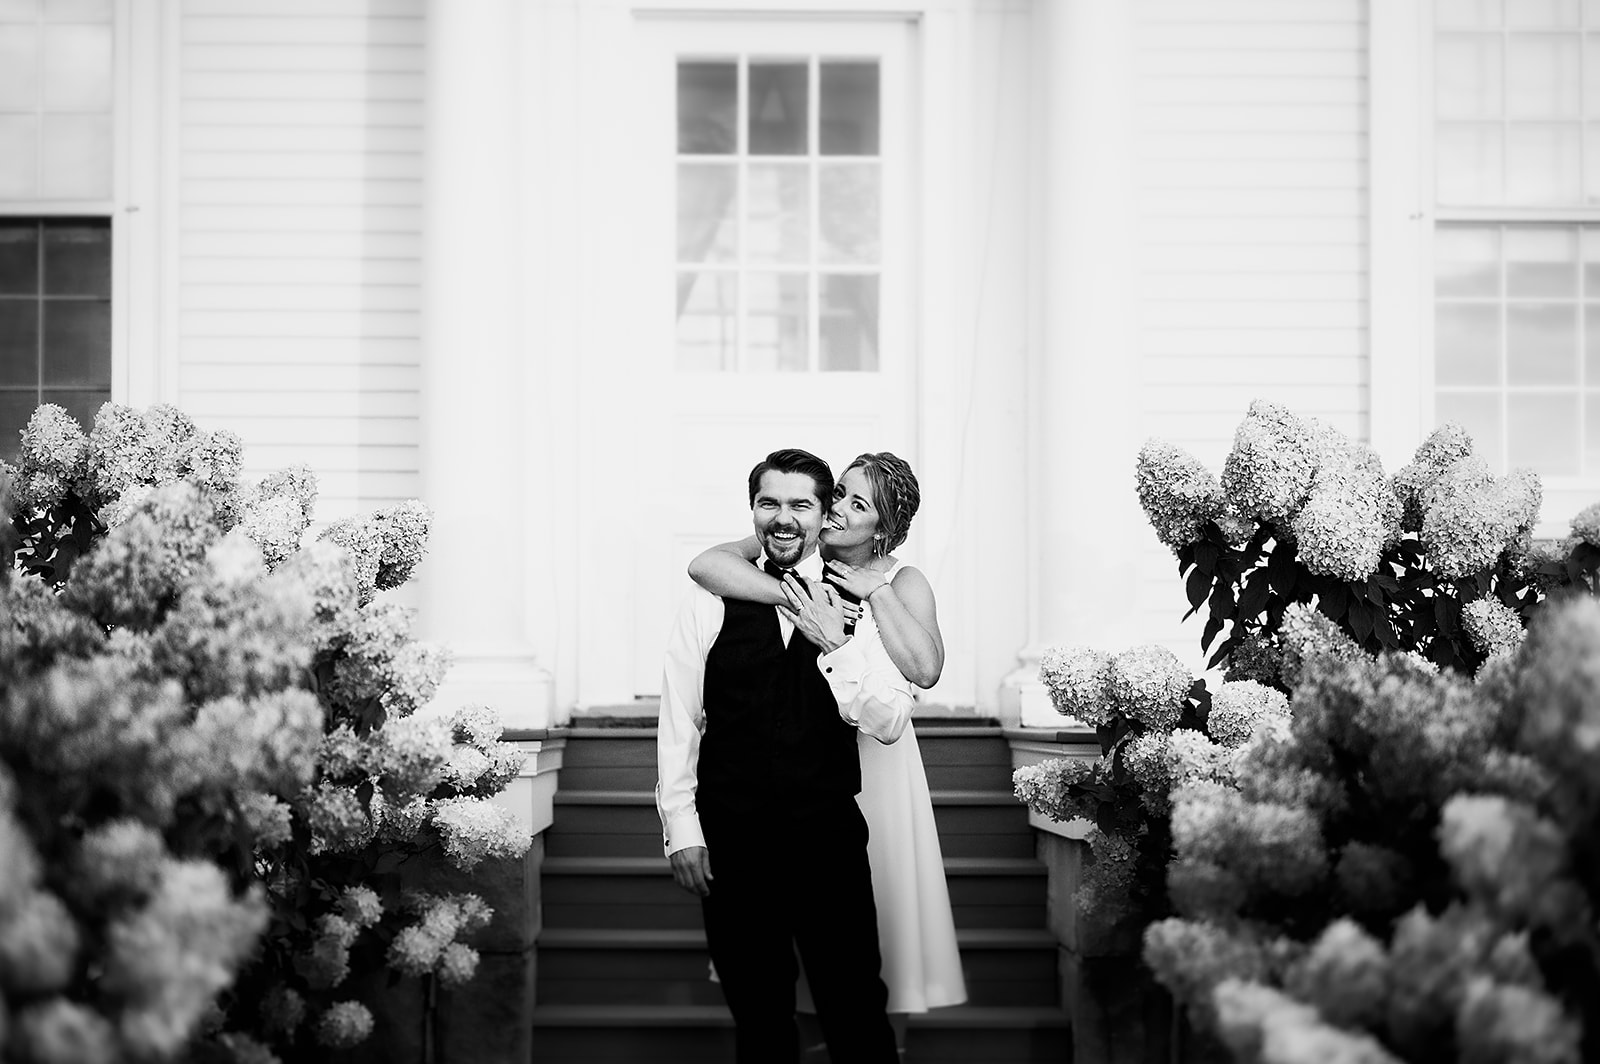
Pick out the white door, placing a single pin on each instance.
(774, 249)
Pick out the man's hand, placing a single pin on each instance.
(815, 612)
(691, 867)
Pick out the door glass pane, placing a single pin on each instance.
(1467, 14)
(19, 342)
(1480, 415)
(708, 108)
(1543, 77)
(778, 107)
(849, 332)
(15, 410)
(1542, 262)
(707, 336)
(848, 123)
(1467, 342)
(1543, 14)
(76, 156)
(1591, 149)
(77, 335)
(82, 405)
(1543, 164)
(849, 194)
(1469, 161)
(1591, 434)
(776, 313)
(1542, 344)
(77, 68)
(19, 156)
(77, 10)
(19, 258)
(19, 67)
(780, 213)
(1466, 262)
(1542, 433)
(1467, 76)
(708, 226)
(77, 260)
(1591, 344)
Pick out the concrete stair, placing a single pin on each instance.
(622, 964)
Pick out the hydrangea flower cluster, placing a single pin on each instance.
(217, 715)
(1273, 463)
(1136, 700)
(1242, 707)
(433, 942)
(1494, 627)
(1178, 493)
(1054, 788)
(1444, 823)
(1078, 679)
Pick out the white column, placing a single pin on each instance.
(474, 451)
(1084, 517)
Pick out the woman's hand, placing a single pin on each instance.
(859, 582)
(815, 613)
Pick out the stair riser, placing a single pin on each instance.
(591, 750)
(575, 778)
(656, 902)
(679, 976)
(564, 843)
(635, 831)
(631, 1045)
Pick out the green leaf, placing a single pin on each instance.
(1213, 626)
(1222, 602)
(1361, 619)
(1198, 584)
(1205, 556)
(1253, 599)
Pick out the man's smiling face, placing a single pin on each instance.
(787, 515)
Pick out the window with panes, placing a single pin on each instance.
(57, 71)
(779, 186)
(1516, 114)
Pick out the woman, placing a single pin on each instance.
(873, 504)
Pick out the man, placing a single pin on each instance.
(757, 785)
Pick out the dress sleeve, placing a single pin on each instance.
(871, 693)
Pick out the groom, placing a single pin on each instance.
(757, 785)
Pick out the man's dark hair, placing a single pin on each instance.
(794, 460)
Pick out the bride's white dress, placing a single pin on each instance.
(916, 930)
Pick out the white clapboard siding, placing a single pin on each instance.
(300, 182)
(1251, 179)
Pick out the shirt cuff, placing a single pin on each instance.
(684, 833)
(845, 665)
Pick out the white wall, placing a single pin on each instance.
(1252, 154)
(298, 236)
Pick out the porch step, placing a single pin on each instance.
(1010, 966)
(620, 1034)
(956, 757)
(639, 892)
(624, 823)
(623, 969)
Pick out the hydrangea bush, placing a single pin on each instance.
(211, 768)
(1158, 728)
(1437, 559)
(1409, 870)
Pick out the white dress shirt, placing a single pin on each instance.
(871, 693)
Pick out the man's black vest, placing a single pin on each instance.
(773, 736)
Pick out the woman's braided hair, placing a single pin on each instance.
(895, 494)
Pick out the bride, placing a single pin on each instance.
(873, 504)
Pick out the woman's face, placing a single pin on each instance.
(853, 518)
